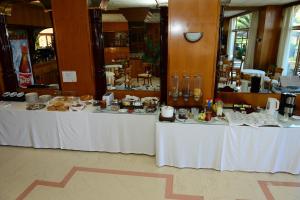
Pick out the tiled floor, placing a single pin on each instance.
(36, 174)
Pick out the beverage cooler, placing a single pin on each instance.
(21, 57)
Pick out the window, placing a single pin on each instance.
(44, 39)
(294, 43)
(241, 32)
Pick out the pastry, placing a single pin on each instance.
(86, 97)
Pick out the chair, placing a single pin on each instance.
(236, 76)
(128, 78)
(277, 73)
(273, 78)
(147, 75)
(224, 75)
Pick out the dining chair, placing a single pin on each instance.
(147, 75)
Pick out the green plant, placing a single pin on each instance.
(152, 51)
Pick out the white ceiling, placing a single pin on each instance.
(230, 13)
(155, 18)
(245, 3)
(115, 4)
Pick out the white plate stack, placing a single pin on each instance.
(32, 97)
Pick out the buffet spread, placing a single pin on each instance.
(242, 138)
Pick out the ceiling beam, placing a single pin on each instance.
(249, 8)
(118, 11)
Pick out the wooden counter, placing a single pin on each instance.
(46, 72)
(254, 99)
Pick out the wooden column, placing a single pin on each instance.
(73, 44)
(163, 54)
(268, 33)
(98, 51)
(193, 58)
(9, 75)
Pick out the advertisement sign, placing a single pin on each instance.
(21, 59)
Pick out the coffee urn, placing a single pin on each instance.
(287, 104)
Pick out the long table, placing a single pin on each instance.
(225, 147)
(193, 145)
(85, 130)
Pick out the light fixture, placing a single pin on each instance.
(193, 36)
(5, 9)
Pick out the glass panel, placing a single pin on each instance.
(293, 51)
(243, 22)
(296, 19)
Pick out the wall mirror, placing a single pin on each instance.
(31, 38)
(132, 45)
(258, 45)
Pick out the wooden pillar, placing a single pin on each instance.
(193, 58)
(73, 45)
(268, 34)
(9, 76)
(98, 51)
(163, 53)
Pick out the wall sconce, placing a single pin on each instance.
(193, 36)
(5, 9)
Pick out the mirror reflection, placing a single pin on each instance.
(132, 48)
(33, 49)
(260, 50)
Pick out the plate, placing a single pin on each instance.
(296, 117)
(123, 110)
(35, 106)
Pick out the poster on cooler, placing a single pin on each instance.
(21, 59)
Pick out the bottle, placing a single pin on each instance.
(25, 75)
(24, 64)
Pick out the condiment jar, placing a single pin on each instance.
(115, 106)
(219, 107)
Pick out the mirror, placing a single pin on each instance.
(255, 52)
(132, 47)
(32, 42)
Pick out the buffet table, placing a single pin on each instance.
(86, 130)
(225, 147)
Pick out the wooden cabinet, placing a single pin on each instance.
(46, 72)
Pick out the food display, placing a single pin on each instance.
(35, 106)
(87, 99)
(77, 107)
(58, 106)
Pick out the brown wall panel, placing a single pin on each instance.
(193, 58)
(115, 26)
(269, 32)
(115, 53)
(29, 15)
(73, 44)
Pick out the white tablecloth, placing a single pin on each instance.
(254, 72)
(224, 147)
(84, 130)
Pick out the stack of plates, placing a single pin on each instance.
(31, 97)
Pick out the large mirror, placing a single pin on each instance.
(33, 48)
(132, 45)
(259, 48)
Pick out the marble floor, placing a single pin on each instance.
(42, 174)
